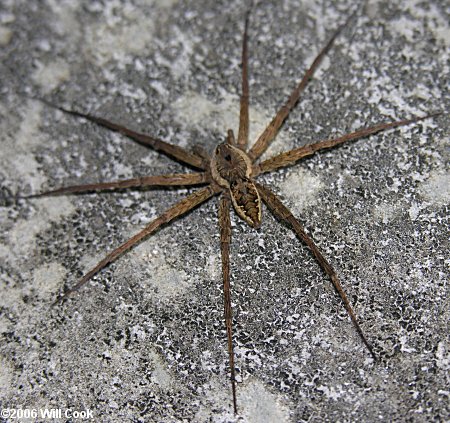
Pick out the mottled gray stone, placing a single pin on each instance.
(145, 340)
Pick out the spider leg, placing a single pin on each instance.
(271, 131)
(180, 179)
(200, 151)
(178, 209)
(290, 157)
(242, 140)
(283, 213)
(174, 151)
(230, 137)
(225, 238)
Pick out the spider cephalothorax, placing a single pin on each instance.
(231, 168)
(229, 173)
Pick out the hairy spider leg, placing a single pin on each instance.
(242, 140)
(188, 203)
(280, 211)
(171, 150)
(290, 157)
(173, 179)
(225, 239)
(267, 136)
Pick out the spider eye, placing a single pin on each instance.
(228, 158)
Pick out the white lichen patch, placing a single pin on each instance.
(213, 266)
(195, 110)
(213, 394)
(302, 188)
(12, 300)
(65, 21)
(28, 135)
(414, 210)
(160, 374)
(117, 355)
(23, 234)
(436, 189)
(386, 212)
(52, 75)
(5, 36)
(122, 170)
(25, 166)
(420, 23)
(442, 34)
(405, 26)
(16, 154)
(120, 34)
(440, 27)
(6, 372)
(259, 405)
(180, 66)
(17, 158)
(395, 99)
(256, 404)
(47, 279)
(166, 4)
(162, 279)
(404, 345)
(334, 393)
(443, 356)
(372, 8)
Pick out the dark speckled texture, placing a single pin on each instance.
(145, 340)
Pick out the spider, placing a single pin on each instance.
(230, 173)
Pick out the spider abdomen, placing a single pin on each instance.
(246, 201)
(231, 168)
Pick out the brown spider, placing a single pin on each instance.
(230, 172)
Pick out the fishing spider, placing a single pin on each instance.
(230, 173)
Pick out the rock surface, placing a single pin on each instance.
(145, 339)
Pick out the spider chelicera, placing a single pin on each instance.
(230, 173)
